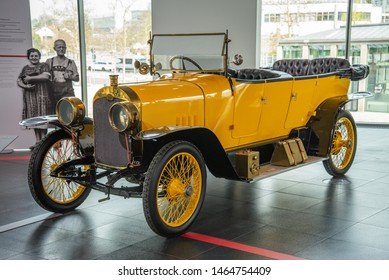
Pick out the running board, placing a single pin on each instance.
(269, 170)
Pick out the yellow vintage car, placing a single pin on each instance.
(155, 140)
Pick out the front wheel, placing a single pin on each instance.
(51, 193)
(344, 145)
(174, 188)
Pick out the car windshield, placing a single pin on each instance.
(189, 52)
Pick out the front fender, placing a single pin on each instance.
(204, 139)
(86, 135)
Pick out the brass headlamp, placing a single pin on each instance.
(70, 111)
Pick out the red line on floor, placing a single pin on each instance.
(15, 158)
(239, 246)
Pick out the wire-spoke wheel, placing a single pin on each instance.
(344, 145)
(52, 193)
(174, 188)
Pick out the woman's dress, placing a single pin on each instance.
(36, 100)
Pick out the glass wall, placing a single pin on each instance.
(116, 34)
(311, 29)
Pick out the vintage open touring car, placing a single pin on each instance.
(155, 140)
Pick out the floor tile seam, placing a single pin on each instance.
(307, 196)
(310, 234)
(351, 242)
(373, 160)
(66, 239)
(30, 251)
(384, 196)
(325, 216)
(341, 219)
(151, 251)
(12, 252)
(369, 224)
(28, 221)
(377, 180)
(358, 244)
(242, 200)
(299, 253)
(295, 195)
(330, 237)
(353, 203)
(23, 253)
(89, 208)
(319, 215)
(91, 232)
(382, 174)
(367, 168)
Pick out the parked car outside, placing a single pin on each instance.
(129, 64)
(156, 140)
(101, 66)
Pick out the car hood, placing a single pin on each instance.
(167, 88)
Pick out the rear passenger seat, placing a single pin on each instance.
(304, 67)
(294, 67)
(289, 68)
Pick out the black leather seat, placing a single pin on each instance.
(294, 67)
(316, 66)
(256, 74)
(327, 65)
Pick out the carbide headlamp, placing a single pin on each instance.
(123, 116)
(70, 111)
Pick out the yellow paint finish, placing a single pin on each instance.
(248, 106)
(328, 87)
(275, 107)
(301, 106)
(169, 103)
(219, 107)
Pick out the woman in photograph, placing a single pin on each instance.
(34, 80)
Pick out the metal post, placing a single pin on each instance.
(348, 28)
(81, 32)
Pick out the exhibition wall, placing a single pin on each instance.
(15, 39)
(238, 17)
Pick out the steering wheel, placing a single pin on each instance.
(183, 58)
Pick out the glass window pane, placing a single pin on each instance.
(116, 34)
(312, 29)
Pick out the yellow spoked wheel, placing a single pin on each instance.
(174, 188)
(343, 147)
(52, 193)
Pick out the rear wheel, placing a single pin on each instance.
(344, 145)
(174, 188)
(52, 193)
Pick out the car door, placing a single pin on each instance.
(247, 108)
(275, 104)
(300, 105)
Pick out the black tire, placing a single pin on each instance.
(54, 194)
(174, 188)
(343, 147)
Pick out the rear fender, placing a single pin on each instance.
(205, 140)
(322, 124)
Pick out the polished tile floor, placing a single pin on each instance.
(303, 213)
